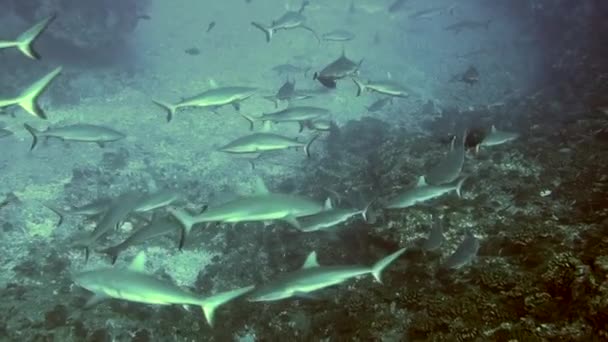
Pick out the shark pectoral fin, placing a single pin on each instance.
(210, 304)
(292, 221)
(95, 299)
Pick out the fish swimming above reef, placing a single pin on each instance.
(28, 98)
(436, 238)
(156, 200)
(134, 285)
(471, 25)
(338, 36)
(212, 98)
(262, 206)
(379, 104)
(330, 218)
(449, 168)
(264, 142)
(470, 76)
(24, 42)
(287, 68)
(429, 13)
(113, 217)
(423, 192)
(288, 21)
(389, 88)
(159, 227)
(313, 277)
(300, 114)
(497, 137)
(287, 92)
(336, 70)
(78, 132)
(464, 254)
(92, 209)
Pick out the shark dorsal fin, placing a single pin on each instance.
(328, 205)
(311, 261)
(139, 262)
(421, 182)
(260, 187)
(266, 126)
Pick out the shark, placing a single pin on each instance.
(389, 88)
(303, 115)
(449, 168)
(113, 217)
(135, 285)
(497, 137)
(336, 70)
(423, 192)
(212, 98)
(312, 277)
(77, 132)
(256, 143)
(330, 218)
(464, 253)
(262, 206)
(288, 21)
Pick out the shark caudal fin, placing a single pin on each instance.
(268, 31)
(210, 304)
(383, 263)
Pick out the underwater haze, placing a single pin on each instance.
(347, 170)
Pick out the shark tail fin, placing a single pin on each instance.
(383, 263)
(169, 108)
(185, 220)
(56, 210)
(34, 132)
(268, 31)
(112, 252)
(459, 185)
(210, 304)
(365, 212)
(251, 120)
(28, 99)
(360, 86)
(26, 39)
(307, 146)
